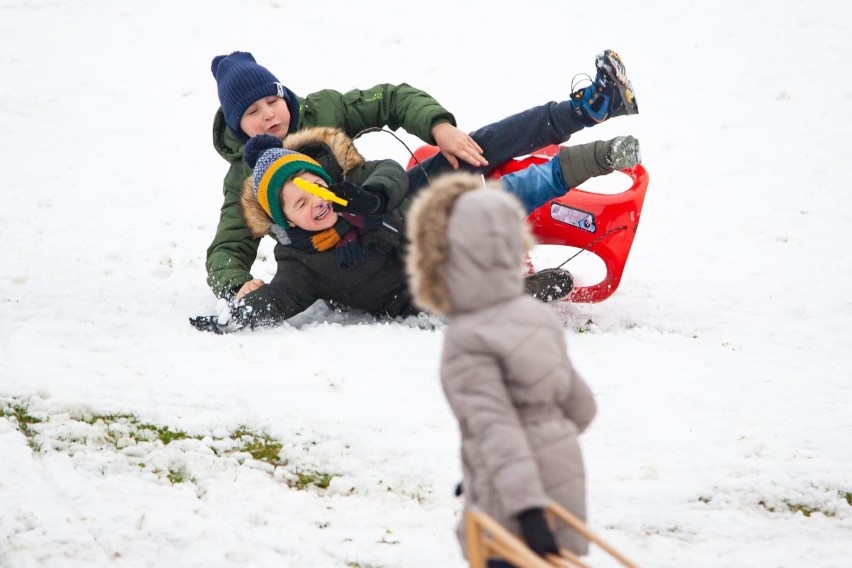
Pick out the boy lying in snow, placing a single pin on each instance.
(352, 255)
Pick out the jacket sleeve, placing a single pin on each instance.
(290, 293)
(394, 106)
(498, 446)
(233, 250)
(388, 176)
(544, 353)
(579, 405)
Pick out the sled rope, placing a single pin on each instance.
(592, 242)
(377, 129)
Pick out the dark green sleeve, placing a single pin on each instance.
(394, 106)
(233, 250)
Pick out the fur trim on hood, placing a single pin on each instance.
(428, 222)
(331, 147)
(256, 219)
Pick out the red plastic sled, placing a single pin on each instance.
(603, 224)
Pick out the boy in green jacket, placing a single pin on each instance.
(255, 102)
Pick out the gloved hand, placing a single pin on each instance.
(362, 200)
(215, 324)
(537, 533)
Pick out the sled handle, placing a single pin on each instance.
(485, 537)
(579, 526)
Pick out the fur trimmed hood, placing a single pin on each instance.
(331, 147)
(468, 244)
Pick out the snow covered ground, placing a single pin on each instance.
(721, 366)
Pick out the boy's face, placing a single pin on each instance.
(268, 115)
(306, 210)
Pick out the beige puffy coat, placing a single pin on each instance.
(505, 370)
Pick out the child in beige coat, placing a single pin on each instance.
(520, 404)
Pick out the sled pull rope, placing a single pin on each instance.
(594, 241)
(377, 129)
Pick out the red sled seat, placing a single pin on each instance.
(603, 224)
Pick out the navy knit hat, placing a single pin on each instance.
(241, 81)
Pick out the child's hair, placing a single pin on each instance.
(273, 167)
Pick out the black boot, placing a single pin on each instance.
(549, 285)
(579, 163)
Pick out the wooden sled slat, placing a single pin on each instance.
(486, 538)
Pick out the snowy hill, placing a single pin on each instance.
(721, 367)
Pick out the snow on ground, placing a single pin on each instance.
(720, 366)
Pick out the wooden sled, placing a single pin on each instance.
(486, 538)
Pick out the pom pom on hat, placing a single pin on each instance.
(273, 166)
(256, 145)
(241, 81)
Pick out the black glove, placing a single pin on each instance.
(362, 200)
(537, 533)
(211, 323)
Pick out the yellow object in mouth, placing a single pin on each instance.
(319, 191)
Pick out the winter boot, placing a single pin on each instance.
(623, 153)
(549, 285)
(611, 93)
(579, 163)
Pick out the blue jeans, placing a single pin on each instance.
(537, 184)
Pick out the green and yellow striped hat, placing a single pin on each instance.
(274, 166)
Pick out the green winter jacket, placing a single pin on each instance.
(233, 250)
(377, 284)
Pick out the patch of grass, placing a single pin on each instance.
(800, 508)
(177, 476)
(847, 496)
(138, 431)
(112, 435)
(24, 421)
(305, 479)
(259, 445)
(165, 434)
(793, 507)
(120, 429)
(419, 493)
(93, 419)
